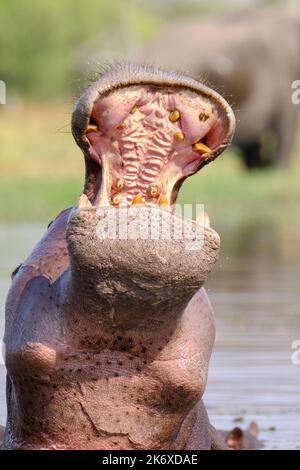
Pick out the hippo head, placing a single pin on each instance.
(142, 133)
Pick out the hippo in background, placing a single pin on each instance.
(251, 57)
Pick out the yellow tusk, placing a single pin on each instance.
(92, 128)
(199, 147)
(179, 136)
(119, 184)
(83, 201)
(163, 201)
(174, 115)
(115, 200)
(138, 199)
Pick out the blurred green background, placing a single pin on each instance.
(43, 49)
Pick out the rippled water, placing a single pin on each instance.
(255, 292)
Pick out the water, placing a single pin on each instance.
(256, 297)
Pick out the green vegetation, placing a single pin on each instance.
(45, 45)
(42, 54)
(41, 40)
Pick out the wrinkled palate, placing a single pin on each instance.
(147, 139)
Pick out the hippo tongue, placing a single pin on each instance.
(142, 141)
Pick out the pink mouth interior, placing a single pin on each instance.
(143, 138)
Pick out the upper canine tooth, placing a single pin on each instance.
(174, 115)
(203, 219)
(199, 147)
(83, 201)
(163, 201)
(138, 199)
(91, 128)
(119, 184)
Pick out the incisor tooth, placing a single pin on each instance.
(174, 115)
(138, 199)
(163, 201)
(83, 201)
(91, 128)
(199, 147)
(203, 219)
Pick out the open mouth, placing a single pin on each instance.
(143, 132)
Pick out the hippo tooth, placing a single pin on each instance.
(203, 116)
(174, 115)
(91, 128)
(116, 200)
(200, 147)
(83, 201)
(163, 201)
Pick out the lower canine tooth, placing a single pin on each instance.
(116, 200)
(174, 115)
(138, 199)
(119, 184)
(199, 147)
(163, 201)
(179, 136)
(83, 201)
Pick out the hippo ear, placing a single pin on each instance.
(253, 428)
(15, 271)
(234, 438)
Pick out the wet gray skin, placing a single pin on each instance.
(108, 339)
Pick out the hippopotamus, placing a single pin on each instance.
(240, 439)
(108, 338)
(251, 64)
